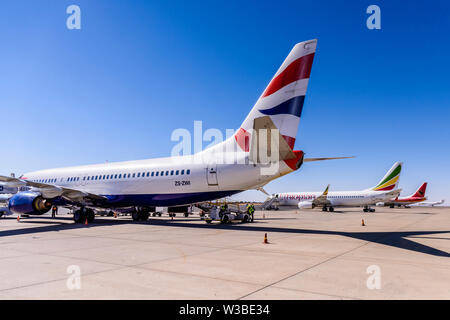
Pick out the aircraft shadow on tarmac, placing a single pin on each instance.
(395, 239)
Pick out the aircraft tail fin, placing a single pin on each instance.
(391, 179)
(420, 193)
(282, 100)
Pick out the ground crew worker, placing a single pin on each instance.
(54, 210)
(251, 211)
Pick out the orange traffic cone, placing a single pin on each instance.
(265, 239)
(18, 218)
(86, 222)
(362, 223)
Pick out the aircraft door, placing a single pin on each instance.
(211, 175)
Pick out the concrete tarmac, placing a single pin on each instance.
(398, 254)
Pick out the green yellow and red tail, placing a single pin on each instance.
(391, 179)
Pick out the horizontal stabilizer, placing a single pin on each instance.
(321, 159)
(322, 199)
(263, 144)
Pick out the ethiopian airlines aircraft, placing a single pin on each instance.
(416, 197)
(227, 168)
(385, 190)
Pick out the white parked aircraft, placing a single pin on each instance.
(429, 203)
(385, 190)
(227, 168)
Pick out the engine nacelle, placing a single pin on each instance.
(29, 203)
(305, 205)
(380, 204)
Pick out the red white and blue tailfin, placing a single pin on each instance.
(283, 98)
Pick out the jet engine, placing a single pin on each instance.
(380, 204)
(305, 205)
(29, 203)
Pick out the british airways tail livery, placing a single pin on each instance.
(227, 168)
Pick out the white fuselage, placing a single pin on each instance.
(336, 198)
(161, 182)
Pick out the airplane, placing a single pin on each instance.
(232, 166)
(385, 190)
(416, 197)
(430, 204)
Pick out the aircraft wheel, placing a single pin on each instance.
(245, 219)
(159, 214)
(225, 219)
(324, 209)
(186, 214)
(78, 216)
(90, 215)
(135, 215)
(144, 216)
(331, 209)
(365, 210)
(371, 210)
(392, 206)
(208, 221)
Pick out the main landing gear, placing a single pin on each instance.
(140, 215)
(83, 214)
(368, 209)
(325, 208)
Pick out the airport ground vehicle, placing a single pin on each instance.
(225, 213)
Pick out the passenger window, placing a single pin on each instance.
(188, 171)
(157, 173)
(120, 176)
(171, 173)
(167, 173)
(139, 175)
(162, 173)
(134, 174)
(182, 172)
(148, 173)
(178, 171)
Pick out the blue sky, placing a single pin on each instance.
(137, 70)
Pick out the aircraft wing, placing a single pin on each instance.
(393, 194)
(322, 199)
(52, 191)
